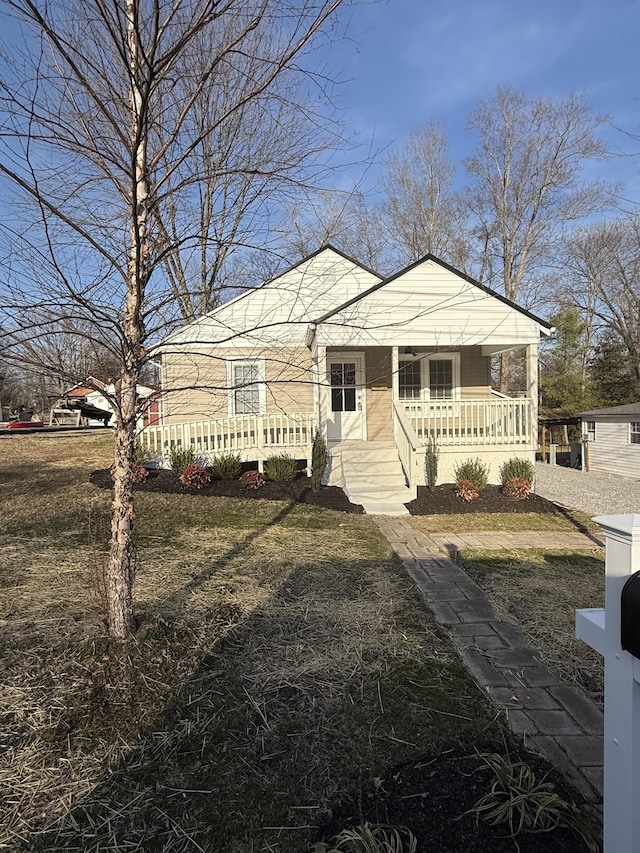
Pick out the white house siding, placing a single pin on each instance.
(611, 451)
(429, 305)
(195, 384)
(278, 313)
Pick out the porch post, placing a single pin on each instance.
(395, 366)
(532, 390)
(320, 389)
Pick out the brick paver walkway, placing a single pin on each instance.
(555, 720)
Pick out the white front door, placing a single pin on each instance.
(345, 418)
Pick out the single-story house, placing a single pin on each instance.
(613, 439)
(375, 364)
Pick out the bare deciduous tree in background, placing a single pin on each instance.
(526, 185)
(123, 126)
(602, 265)
(422, 212)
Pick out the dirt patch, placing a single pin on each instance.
(298, 490)
(444, 500)
(432, 796)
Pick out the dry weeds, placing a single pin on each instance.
(281, 659)
(540, 591)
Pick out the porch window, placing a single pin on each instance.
(440, 379)
(409, 380)
(634, 432)
(245, 379)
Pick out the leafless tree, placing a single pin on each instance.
(527, 183)
(422, 212)
(110, 139)
(601, 265)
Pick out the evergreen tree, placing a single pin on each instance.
(611, 371)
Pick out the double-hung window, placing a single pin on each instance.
(634, 432)
(409, 380)
(245, 379)
(589, 430)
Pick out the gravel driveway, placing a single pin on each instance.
(594, 493)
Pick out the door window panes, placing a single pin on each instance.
(343, 386)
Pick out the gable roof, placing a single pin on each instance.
(631, 409)
(429, 303)
(279, 311)
(431, 257)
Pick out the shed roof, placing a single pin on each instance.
(613, 411)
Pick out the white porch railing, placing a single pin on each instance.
(407, 444)
(487, 422)
(276, 431)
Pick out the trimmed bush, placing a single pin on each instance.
(431, 457)
(180, 458)
(517, 468)
(281, 466)
(467, 490)
(138, 473)
(318, 461)
(226, 466)
(195, 476)
(252, 480)
(473, 470)
(517, 489)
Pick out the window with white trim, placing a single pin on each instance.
(441, 379)
(634, 432)
(245, 379)
(409, 380)
(589, 430)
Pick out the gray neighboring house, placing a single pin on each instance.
(613, 436)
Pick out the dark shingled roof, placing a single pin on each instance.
(628, 409)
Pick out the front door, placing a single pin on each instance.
(345, 419)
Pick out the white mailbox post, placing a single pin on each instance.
(601, 630)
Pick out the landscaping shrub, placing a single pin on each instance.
(195, 476)
(473, 470)
(252, 480)
(281, 466)
(318, 461)
(517, 488)
(138, 473)
(180, 458)
(517, 468)
(431, 457)
(226, 466)
(467, 490)
(139, 453)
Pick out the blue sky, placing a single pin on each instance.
(408, 61)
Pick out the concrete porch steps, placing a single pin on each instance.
(371, 475)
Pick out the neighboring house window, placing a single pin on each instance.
(634, 432)
(409, 381)
(590, 430)
(246, 386)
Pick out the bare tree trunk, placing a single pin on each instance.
(121, 566)
(120, 570)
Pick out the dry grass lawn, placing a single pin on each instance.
(282, 659)
(540, 591)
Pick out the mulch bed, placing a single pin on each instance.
(298, 490)
(444, 500)
(430, 796)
